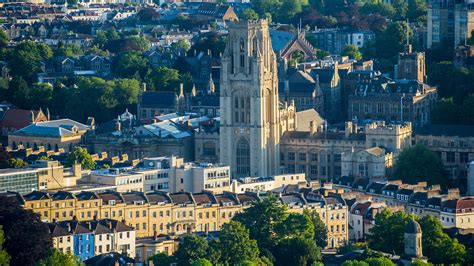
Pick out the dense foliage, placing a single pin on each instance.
(437, 245)
(417, 163)
(292, 240)
(27, 239)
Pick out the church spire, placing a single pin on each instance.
(212, 87)
(193, 91)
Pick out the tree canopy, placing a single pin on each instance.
(417, 164)
(235, 244)
(82, 156)
(390, 224)
(262, 219)
(58, 258)
(27, 239)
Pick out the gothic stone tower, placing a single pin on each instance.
(249, 106)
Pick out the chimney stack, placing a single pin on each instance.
(312, 128)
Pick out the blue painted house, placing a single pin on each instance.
(83, 239)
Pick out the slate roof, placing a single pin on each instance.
(390, 187)
(37, 195)
(293, 199)
(132, 197)
(405, 191)
(345, 180)
(109, 259)
(168, 129)
(211, 100)
(158, 99)
(226, 198)
(182, 198)
(280, 39)
(247, 198)
(87, 195)
(56, 230)
(419, 198)
(204, 198)
(325, 75)
(111, 195)
(376, 186)
(445, 130)
(62, 195)
(158, 197)
(75, 226)
(361, 208)
(55, 128)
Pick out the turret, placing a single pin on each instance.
(117, 124)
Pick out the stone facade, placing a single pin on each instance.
(318, 153)
(250, 121)
(454, 144)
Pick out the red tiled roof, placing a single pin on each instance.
(19, 118)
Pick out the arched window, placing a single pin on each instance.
(243, 157)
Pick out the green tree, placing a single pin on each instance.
(249, 14)
(4, 257)
(382, 261)
(18, 92)
(4, 39)
(211, 41)
(384, 9)
(288, 9)
(164, 79)
(126, 93)
(401, 9)
(320, 230)
(417, 10)
(25, 60)
(392, 41)
(130, 63)
(349, 247)
(70, 50)
(261, 220)
(201, 262)
(417, 164)
(421, 263)
(58, 258)
(191, 249)
(352, 51)
(96, 97)
(16, 163)
(82, 156)
(161, 259)
(27, 239)
(355, 263)
(297, 251)
(235, 244)
(445, 112)
(437, 245)
(40, 96)
(296, 225)
(390, 224)
(467, 111)
(180, 45)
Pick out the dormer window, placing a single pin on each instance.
(112, 202)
